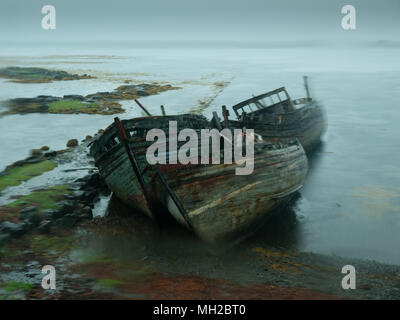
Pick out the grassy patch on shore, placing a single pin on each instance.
(72, 105)
(108, 283)
(105, 103)
(14, 286)
(17, 175)
(43, 199)
(77, 106)
(48, 243)
(38, 75)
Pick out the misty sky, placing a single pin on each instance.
(256, 20)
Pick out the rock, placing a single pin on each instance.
(78, 194)
(50, 154)
(36, 152)
(13, 229)
(66, 206)
(85, 213)
(76, 185)
(28, 210)
(30, 215)
(100, 131)
(45, 148)
(45, 226)
(89, 196)
(4, 237)
(88, 137)
(51, 214)
(72, 143)
(74, 97)
(68, 221)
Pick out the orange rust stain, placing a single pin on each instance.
(271, 253)
(194, 287)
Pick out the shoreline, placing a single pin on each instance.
(125, 256)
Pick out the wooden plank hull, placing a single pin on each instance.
(119, 176)
(220, 204)
(307, 123)
(223, 206)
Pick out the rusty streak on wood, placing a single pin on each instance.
(225, 114)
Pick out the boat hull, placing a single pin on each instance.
(307, 123)
(219, 204)
(223, 206)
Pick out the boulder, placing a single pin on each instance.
(51, 214)
(45, 148)
(30, 215)
(27, 210)
(45, 226)
(50, 154)
(13, 229)
(74, 97)
(4, 237)
(72, 143)
(68, 221)
(36, 152)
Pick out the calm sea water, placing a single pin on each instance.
(350, 204)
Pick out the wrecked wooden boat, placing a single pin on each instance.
(274, 114)
(211, 200)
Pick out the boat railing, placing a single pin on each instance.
(275, 97)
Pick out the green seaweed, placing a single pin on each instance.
(108, 283)
(17, 175)
(14, 286)
(59, 244)
(43, 199)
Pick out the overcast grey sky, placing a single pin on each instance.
(262, 20)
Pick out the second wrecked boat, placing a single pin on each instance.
(275, 114)
(209, 199)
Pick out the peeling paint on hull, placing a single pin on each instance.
(229, 206)
(220, 204)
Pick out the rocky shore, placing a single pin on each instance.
(98, 103)
(123, 255)
(38, 75)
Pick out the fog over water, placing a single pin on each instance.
(350, 204)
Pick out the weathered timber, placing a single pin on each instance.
(219, 204)
(163, 110)
(283, 117)
(142, 107)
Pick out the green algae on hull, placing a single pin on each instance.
(18, 174)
